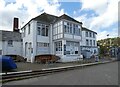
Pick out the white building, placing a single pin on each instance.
(88, 43)
(10, 43)
(48, 34)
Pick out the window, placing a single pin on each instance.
(94, 42)
(90, 34)
(46, 32)
(76, 29)
(76, 52)
(42, 29)
(58, 30)
(39, 30)
(10, 43)
(86, 34)
(68, 27)
(58, 46)
(40, 44)
(79, 29)
(91, 42)
(87, 42)
(72, 48)
(28, 28)
(93, 35)
(30, 47)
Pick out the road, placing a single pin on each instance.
(104, 74)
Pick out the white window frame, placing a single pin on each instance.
(43, 29)
(58, 47)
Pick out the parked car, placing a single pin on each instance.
(7, 63)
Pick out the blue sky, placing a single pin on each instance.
(98, 15)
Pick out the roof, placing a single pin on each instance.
(64, 16)
(10, 35)
(83, 28)
(48, 18)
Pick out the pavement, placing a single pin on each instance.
(24, 66)
(103, 74)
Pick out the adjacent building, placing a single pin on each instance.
(88, 43)
(10, 43)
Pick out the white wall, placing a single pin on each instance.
(42, 39)
(16, 49)
(43, 50)
(34, 38)
(30, 38)
(83, 43)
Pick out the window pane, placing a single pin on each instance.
(10, 43)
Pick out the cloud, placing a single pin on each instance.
(25, 10)
(106, 15)
(109, 17)
(96, 5)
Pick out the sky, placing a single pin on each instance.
(100, 16)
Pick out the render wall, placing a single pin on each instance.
(16, 49)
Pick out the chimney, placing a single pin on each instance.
(15, 24)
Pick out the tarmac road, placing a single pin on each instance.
(104, 74)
